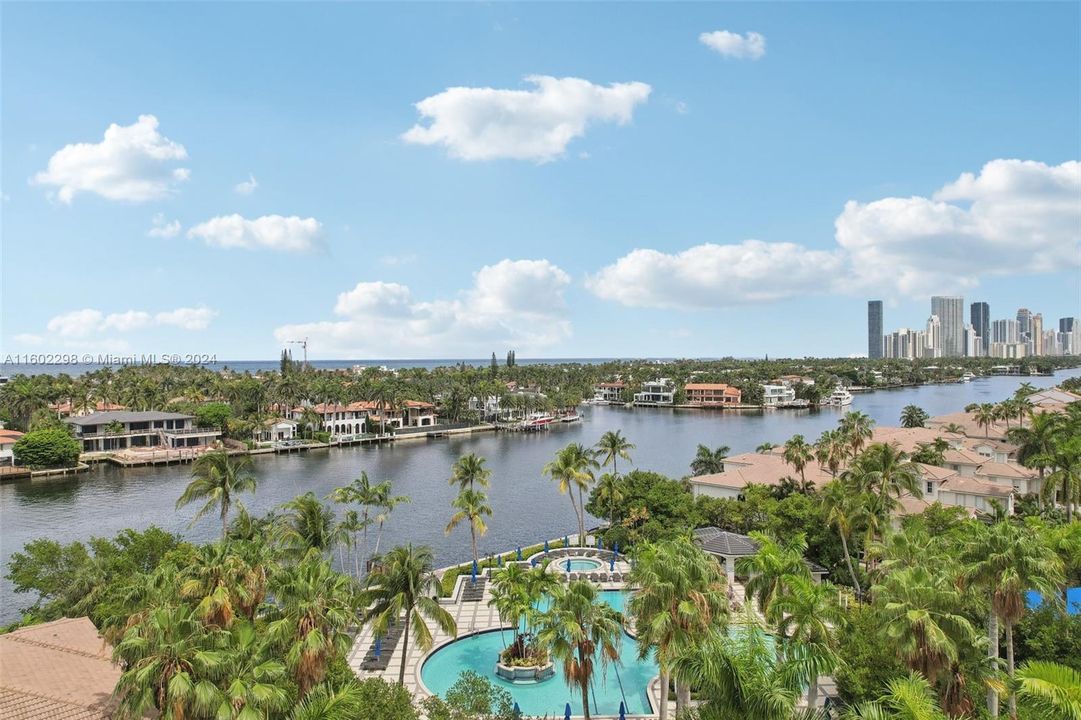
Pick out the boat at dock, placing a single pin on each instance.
(840, 397)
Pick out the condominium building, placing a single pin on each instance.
(973, 343)
(874, 329)
(1024, 324)
(1004, 331)
(950, 312)
(933, 340)
(980, 317)
(1036, 330)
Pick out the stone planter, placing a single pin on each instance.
(526, 673)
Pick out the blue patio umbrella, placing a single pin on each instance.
(545, 547)
(517, 711)
(474, 571)
(566, 541)
(519, 552)
(615, 548)
(377, 651)
(567, 712)
(568, 565)
(533, 562)
(600, 543)
(500, 561)
(622, 711)
(612, 564)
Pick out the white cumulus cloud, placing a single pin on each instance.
(1013, 217)
(751, 46)
(712, 275)
(511, 304)
(481, 123)
(270, 232)
(134, 162)
(72, 327)
(162, 228)
(246, 187)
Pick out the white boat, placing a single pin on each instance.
(538, 420)
(570, 417)
(968, 377)
(840, 397)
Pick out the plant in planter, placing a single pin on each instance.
(515, 593)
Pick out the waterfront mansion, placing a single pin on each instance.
(367, 416)
(125, 429)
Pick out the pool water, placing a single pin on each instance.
(627, 681)
(578, 565)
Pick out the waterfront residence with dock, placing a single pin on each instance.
(127, 429)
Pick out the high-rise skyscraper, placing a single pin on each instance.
(1024, 325)
(874, 329)
(933, 340)
(1036, 328)
(1004, 331)
(951, 313)
(980, 317)
(1065, 325)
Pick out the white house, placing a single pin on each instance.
(120, 430)
(276, 430)
(608, 392)
(777, 394)
(656, 392)
(7, 442)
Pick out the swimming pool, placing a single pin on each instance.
(627, 682)
(577, 565)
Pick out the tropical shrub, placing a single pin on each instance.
(40, 449)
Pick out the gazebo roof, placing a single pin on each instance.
(729, 544)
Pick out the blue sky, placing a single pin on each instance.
(654, 190)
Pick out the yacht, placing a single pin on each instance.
(968, 377)
(538, 420)
(840, 397)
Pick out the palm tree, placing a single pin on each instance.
(307, 524)
(369, 496)
(1067, 473)
(1037, 443)
(468, 471)
(613, 446)
(579, 629)
(913, 416)
(217, 477)
(798, 454)
(215, 576)
(985, 416)
(709, 462)
(610, 494)
(841, 512)
(471, 506)
(386, 506)
(170, 661)
(858, 428)
(573, 468)
(831, 450)
(1051, 690)
(512, 601)
(888, 470)
(740, 677)
(404, 587)
(809, 616)
(315, 606)
(253, 688)
(330, 702)
(1007, 560)
(772, 567)
(765, 448)
(953, 428)
(920, 619)
(907, 698)
(680, 597)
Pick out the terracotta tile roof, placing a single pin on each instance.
(963, 457)
(616, 384)
(973, 486)
(909, 439)
(56, 671)
(997, 469)
(760, 469)
(7, 436)
(968, 422)
(935, 472)
(712, 386)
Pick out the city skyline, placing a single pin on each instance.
(657, 184)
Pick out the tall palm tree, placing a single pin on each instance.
(831, 450)
(709, 462)
(610, 494)
(1067, 473)
(913, 416)
(573, 469)
(469, 471)
(841, 513)
(579, 629)
(511, 600)
(921, 619)
(985, 416)
(218, 477)
(315, 606)
(858, 428)
(307, 524)
(772, 566)
(809, 616)
(680, 597)
(170, 663)
(403, 587)
(368, 496)
(611, 447)
(890, 472)
(1037, 443)
(214, 576)
(1007, 560)
(765, 448)
(1053, 691)
(386, 506)
(798, 453)
(471, 506)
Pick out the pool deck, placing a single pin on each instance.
(474, 617)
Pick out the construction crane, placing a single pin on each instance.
(302, 343)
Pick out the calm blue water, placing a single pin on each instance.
(578, 565)
(628, 681)
(527, 507)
